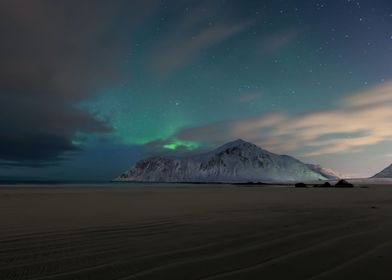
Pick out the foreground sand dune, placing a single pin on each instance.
(195, 232)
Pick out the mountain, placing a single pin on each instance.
(237, 161)
(326, 172)
(386, 173)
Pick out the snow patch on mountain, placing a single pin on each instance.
(386, 173)
(326, 172)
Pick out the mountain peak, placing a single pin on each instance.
(239, 141)
(236, 144)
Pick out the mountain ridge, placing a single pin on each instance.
(236, 161)
(326, 172)
(385, 173)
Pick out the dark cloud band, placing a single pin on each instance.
(53, 55)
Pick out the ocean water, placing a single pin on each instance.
(100, 184)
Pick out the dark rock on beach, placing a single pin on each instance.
(343, 184)
(325, 185)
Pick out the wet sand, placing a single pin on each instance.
(195, 232)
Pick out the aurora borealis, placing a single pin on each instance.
(89, 87)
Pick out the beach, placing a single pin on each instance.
(195, 232)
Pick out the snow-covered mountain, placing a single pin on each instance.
(237, 161)
(326, 172)
(386, 173)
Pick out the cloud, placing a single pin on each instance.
(53, 55)
(200, 28)
(360, 120)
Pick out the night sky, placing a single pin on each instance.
(89, 87)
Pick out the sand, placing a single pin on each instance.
(195, 232)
